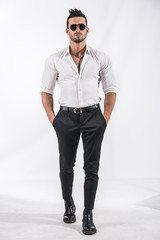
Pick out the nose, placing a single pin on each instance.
(78, 28)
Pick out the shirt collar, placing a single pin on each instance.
(87, 50)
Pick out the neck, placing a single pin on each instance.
(77, 49)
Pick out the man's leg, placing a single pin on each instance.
(92, 136)
(93, 128)
(68, 135)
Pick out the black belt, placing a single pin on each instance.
(79, 110)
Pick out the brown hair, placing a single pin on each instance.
(75, 13)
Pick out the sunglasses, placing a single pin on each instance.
(81, 26)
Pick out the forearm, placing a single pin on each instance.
(47, 101)
(109, 103)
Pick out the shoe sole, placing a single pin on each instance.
(89, 232)
(71, 221)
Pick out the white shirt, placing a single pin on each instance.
(78, 89)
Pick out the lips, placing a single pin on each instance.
(77, 34)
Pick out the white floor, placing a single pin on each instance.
(129, 210)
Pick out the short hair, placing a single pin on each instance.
(75, 13)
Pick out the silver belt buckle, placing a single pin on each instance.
(74, 110)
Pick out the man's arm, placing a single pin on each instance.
(47, 101)
(109, 103)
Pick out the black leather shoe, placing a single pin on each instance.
(69, 215)
(88, 225)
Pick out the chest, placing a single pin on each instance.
(67, 67)
(77, 61)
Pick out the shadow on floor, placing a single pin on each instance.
(152, 202)
(49, 219)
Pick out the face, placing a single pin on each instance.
(78, 35)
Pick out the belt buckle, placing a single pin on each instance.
(74, 110)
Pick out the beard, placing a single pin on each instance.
(78, 40)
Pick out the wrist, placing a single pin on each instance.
(106, 116)
(51, 117)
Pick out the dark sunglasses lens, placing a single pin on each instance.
(82, 26)
(73, 27)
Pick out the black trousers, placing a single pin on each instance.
(68, 126)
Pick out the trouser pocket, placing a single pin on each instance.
(102, 116)
(55, 118)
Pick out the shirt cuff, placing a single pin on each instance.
(46, 90)
(111, 89)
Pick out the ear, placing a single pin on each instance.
(67, 30)
(87, 29)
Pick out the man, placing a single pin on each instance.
(79, 69)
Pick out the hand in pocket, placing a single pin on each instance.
(53, 120)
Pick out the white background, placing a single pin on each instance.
(129, 31)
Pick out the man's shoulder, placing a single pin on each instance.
(99, 54)
(57, 55)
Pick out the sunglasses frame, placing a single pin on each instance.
(78, 26)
